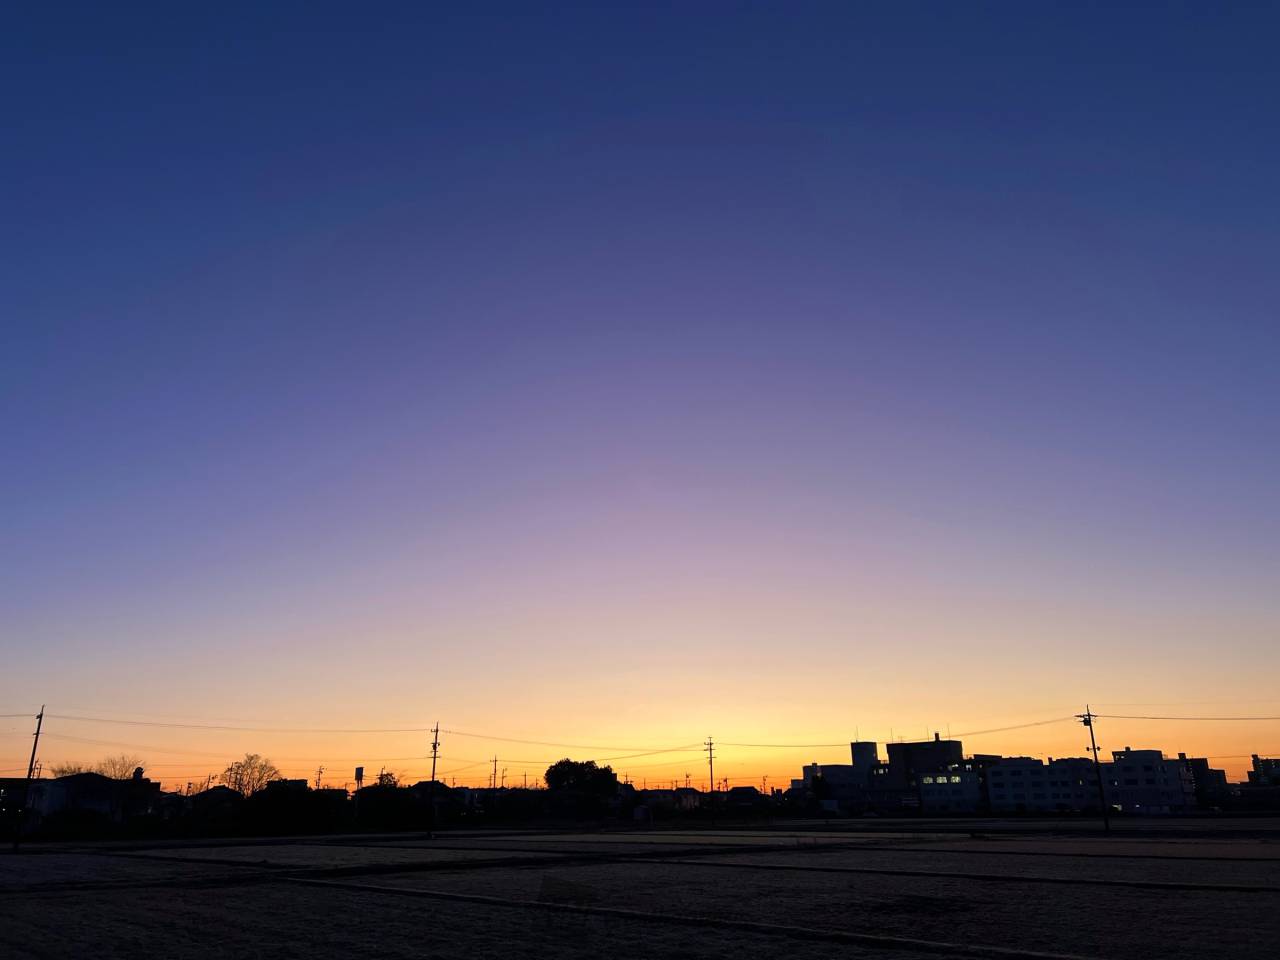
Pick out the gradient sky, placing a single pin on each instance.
(627, 374)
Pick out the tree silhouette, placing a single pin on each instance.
(250, 775)
(582, 776)
(119, 767)
(69, 767)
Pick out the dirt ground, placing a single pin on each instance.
(1173, 889)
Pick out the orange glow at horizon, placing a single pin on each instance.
(176, 757)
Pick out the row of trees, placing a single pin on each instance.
(119, 767)
(246, 776)
(254, 771)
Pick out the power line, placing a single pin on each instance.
(549, 743)
(217, 726)
(1117, 716)
(786, 746)
(1016, 726)
(845, 743)
(266, 729)
(1184, 703)
(222, 756)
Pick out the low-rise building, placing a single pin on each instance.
(958, 789)
(1019, 785)
(1143, 781)
(1212, 790)
(1073, 784)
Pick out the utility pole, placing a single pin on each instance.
(711, 763)
(1087, 719)
(26, 791)
(493, 777)
(431, 790)
(319, 774)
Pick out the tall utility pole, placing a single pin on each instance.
(711, 762)
(1087, 719)
(493, 777)
(26, 790)
(431, 790)
(319, 774)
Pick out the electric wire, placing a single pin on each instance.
(1118, 716)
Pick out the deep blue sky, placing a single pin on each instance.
(947, 328)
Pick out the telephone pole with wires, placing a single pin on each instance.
(1087, 719)
(431, 790)
(26, 790)
(711, 763)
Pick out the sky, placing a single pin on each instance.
(624, 375)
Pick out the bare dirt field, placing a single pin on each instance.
(906, 889)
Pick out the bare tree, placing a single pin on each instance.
(119, 767)
(250, 774)
(69, 767)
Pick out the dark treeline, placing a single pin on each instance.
(254, 799)
(87, 805)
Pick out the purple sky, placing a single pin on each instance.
(662, 370)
